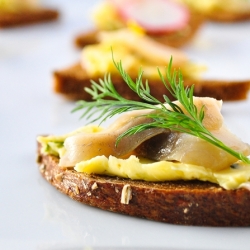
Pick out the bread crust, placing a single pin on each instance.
(70, 83)
(227, 17)
(27, 17)
(177, 202)
(174, 39)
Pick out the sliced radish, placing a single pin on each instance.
(154, 16)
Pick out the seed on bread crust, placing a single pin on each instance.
(59, 177)
(94, 186)
(42, 168)
(126, 194)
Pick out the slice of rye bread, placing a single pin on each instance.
(27, 17)
(194, 203)
(227, 17)
(70, 83)
(173, 39)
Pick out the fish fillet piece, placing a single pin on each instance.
(157, 143)
(186, 148)
(85, 146)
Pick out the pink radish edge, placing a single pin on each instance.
(128, 11)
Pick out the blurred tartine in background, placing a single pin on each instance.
(221, 10)
(23, 12)
(137, 51)
(166, 21)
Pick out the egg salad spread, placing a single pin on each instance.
(136, 51)
(17, 5)
(210, 6)
(106, 17)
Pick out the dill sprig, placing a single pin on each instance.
(169, 115)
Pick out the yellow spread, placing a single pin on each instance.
(17, 5)
(136, 51)
(105, 17)
(208, 6)
(143, 169)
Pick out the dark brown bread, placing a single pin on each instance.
(176, 202)
(173, 39)
(70, 83)
(27, 17)
(227, 17)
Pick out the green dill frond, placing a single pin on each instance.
(107, 102)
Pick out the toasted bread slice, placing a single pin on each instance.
(176, 202)
(70, 83)
(174, 39)
(228, 17)
(27, 17)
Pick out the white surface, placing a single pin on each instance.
(33, 215)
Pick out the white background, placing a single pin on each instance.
(33, 215)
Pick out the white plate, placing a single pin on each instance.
(33, 215)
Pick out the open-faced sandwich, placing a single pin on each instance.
(221, 10)
(165, 21)
(171, 161)
(137, 50)
(24, 12)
